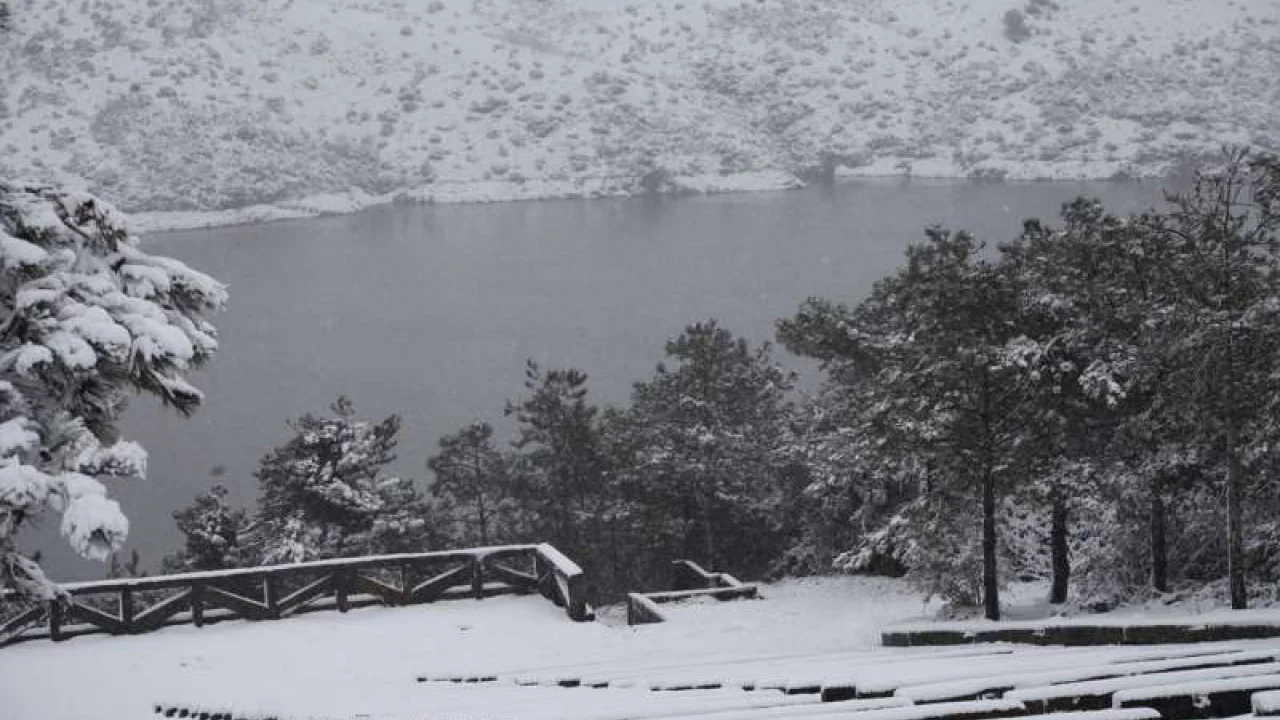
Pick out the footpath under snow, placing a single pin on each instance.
(218, 111)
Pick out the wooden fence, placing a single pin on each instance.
(138, 605)
(689, 580)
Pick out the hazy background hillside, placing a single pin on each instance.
(214, 104)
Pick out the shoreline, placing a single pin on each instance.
(460, 192)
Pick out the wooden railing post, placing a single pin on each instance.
(55, 620)
(406, 584)
(197, 604)
(126, 609)
(576, 603)
(271, 596)
(340, 588)
(477, 577)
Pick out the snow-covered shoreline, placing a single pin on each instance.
(355, 200)
(178, 111)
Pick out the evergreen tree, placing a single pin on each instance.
(1165, 321)
(936, 338)
(6, 17)
(213, 534)
(324, 493)
(473, 487)
(711, 447)
(1221, 331)
(86, 319)
(559, 471)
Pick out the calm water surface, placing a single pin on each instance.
(430, 311)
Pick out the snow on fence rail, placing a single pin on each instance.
(689, 581)
(138, 605)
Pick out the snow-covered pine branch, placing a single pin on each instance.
(86, 319)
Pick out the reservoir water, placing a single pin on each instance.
(430, 311)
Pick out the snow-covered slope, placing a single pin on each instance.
(209, 104)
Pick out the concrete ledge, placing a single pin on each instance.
(1084, 633)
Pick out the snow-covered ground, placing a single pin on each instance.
(367, 662)
(281, 108)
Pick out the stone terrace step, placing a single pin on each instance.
(975, 687)
(1213, 627)
(1098, 694)
(1201, 699)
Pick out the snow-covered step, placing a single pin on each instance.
(794, 671)
(801, 711)
(886, 678)
(971, 710)
(970, 688)
(1266, 703)
(1137, 713)
(1098, 694)
(508, 702)
(1199, 699)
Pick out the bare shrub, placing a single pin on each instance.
(1015, 26)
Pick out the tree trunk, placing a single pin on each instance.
(1235, 535)
(708, 537)
(990, 581)
(1059, 551)
(481, 510)
(1159, 544)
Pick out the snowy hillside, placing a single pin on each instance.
(168, 105)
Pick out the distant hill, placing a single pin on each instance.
(213, 104)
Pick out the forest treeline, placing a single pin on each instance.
(1093, 402)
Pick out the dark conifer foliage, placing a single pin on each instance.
(214, 534)
(473, 487)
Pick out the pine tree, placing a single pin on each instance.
(324, 493)
(936, 338)
(473, 486)
(1165, 319)
(86, 319)
(1222, 333)
(6, 17)
(711, 446)
(559, 471)
(214, 534)
(1081, 312)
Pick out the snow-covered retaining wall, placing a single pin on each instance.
(1211, 627)
(690, 581)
